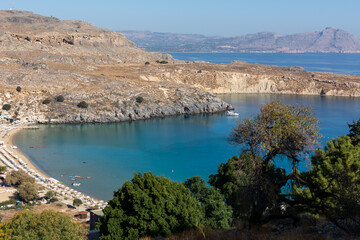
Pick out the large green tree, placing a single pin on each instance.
(218, 214)
(17, 178)
(149, 205)
(47, 225)
(278, 133)
(28, 191)
(333, 185)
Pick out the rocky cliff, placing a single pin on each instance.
(48, 57)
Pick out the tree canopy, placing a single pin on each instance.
(28, 191)
(149, 206)
(18, 177)
(251, 182)
(47, 225)
(333, 185)
(218, 215)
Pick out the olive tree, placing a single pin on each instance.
(280, 133)
(28, 191)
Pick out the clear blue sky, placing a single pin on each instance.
(208, 17)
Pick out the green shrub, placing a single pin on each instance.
(44, 225)
(60, 98)
(8, 202)
(54, 200)
(161, 62)
(82, 104)
(6, 107)
(18, 89)
(147, 63)
(46, 101)
(139, 99)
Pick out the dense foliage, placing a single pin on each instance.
(333, 185)
(77, 202)
(278, 133)
(247, 189)
(354, 132)
(47, 225)
(218, 214)
(149, 206)
(17, 178)
(18, 89)
(28, 191)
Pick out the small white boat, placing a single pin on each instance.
(231, 113)
(75, 184)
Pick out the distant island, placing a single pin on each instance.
(329, 40)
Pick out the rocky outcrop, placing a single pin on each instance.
(48, 57)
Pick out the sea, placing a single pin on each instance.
(178, 147)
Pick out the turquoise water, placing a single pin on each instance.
(177, 147)
(318, 62)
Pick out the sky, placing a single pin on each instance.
(207, 17)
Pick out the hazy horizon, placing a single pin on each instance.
(209, 18)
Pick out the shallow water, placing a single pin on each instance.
(177, 147)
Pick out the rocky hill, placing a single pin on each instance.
(48, 57)
(329, 40)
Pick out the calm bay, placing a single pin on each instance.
(177, 147)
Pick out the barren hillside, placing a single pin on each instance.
(48, 57)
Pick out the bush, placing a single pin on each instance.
(149, 206)
(45, 225)
(139, 99)
(147, 63)
(46, 101)
(59, 98)
(8, 202)
(77, 202)
(82, 104)
(162, 62)
(54, 200)
(18, 89)
(6, 107)
(50, 194)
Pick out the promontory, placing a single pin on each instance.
(55, 71)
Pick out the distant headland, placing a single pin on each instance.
(329, 40)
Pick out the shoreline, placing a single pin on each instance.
(9, 141)
(43, 179)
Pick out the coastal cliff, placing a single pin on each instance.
(48, 57)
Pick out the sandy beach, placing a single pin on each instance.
(8, 139)
(7, 134)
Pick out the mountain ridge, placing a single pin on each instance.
(329, 40)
